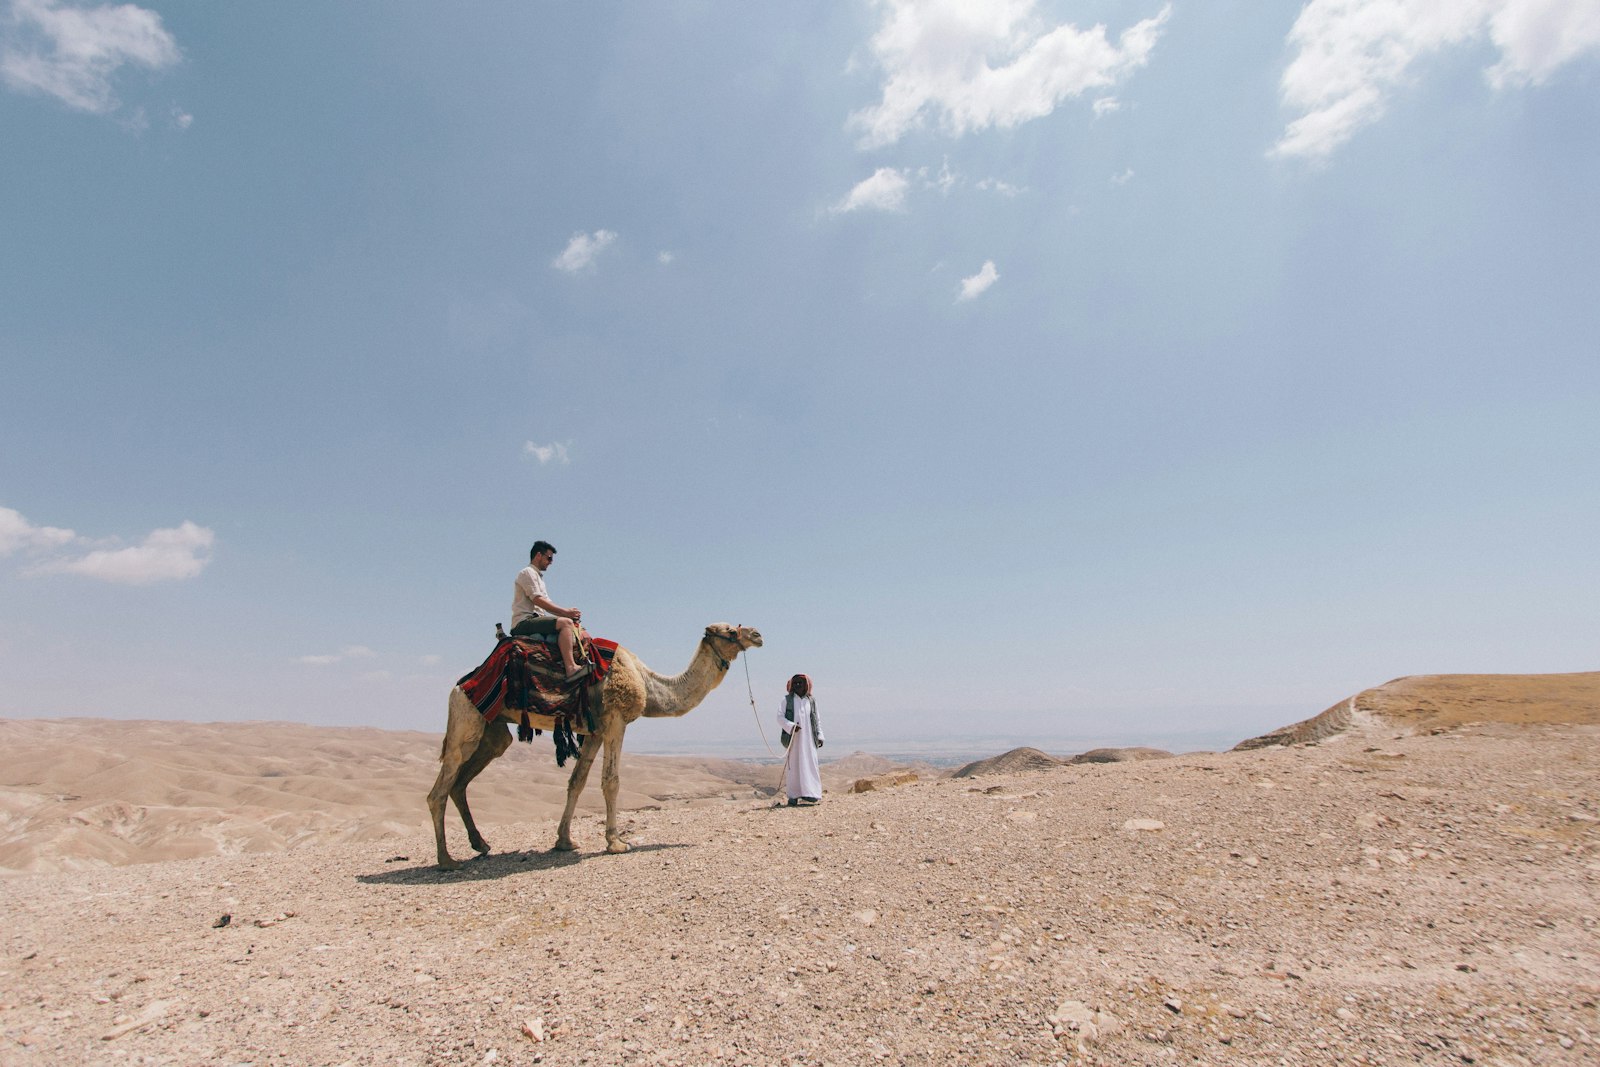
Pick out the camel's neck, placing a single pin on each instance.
(666, 697)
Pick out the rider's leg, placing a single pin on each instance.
(565, 639)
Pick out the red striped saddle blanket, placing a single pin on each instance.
(523, 676)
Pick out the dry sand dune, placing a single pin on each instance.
(77, 793)
(1387, 895)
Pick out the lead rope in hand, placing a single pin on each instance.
(751, 690)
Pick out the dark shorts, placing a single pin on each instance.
(539, 624)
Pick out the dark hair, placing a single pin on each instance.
(541, 546)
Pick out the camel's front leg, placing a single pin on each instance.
(580, 775)
(496, 739)
(463, 734)
(610, 779)
(438, 796)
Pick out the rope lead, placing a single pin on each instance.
(751, 690)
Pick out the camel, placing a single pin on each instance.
(629, 690)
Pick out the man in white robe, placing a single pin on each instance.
(802, 736)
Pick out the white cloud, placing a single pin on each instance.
(1106, 105)
(165, 555)
(1124, 178)
(975, 286)
(73, 53)
(554, 452)
(665, 258)
(972, 66)
(582, 250)
(884, 191)
(944, 181)
(348, 652)
(995, 185)
(1352, 53)
(17, 534)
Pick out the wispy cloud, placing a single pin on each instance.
(1006, 189)
(163, 556)
(979, 283)
(665, 258)
(554, 452)
(349, 652)
(890, 189)
(972, 66)
(581, 251)
(1106, 105)
(1352, 53)
(885, 190)
(1124, 178)
(17, 534)
(73, 53)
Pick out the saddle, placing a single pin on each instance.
(523, 680)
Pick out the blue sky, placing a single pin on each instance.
(1079, 372)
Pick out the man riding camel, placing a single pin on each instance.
(533, 612)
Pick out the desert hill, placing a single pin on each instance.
(1032, 759)
(78, 793)
(1430, 702)
(1015, 761)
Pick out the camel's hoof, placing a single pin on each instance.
(563, 846)
(448, 864)
(616, 846)
(481, 847)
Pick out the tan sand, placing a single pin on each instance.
(82, 793)
(1384, 896)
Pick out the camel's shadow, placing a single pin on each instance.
(494, 865)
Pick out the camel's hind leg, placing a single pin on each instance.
(610, 779)
(580, 775)
(462, 734)
(496, 739)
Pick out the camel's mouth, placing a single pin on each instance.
(750, 638)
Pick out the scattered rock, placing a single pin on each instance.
(152, 1013)
(883, 781)
(1075, 1021)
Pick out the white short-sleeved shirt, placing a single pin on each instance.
(529, 584)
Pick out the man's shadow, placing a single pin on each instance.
(493, 866)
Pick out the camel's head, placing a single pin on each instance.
(743, 636)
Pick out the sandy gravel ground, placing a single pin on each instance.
(1376, 898)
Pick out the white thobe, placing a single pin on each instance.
(801, 776)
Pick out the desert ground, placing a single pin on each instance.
(1413, 878)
